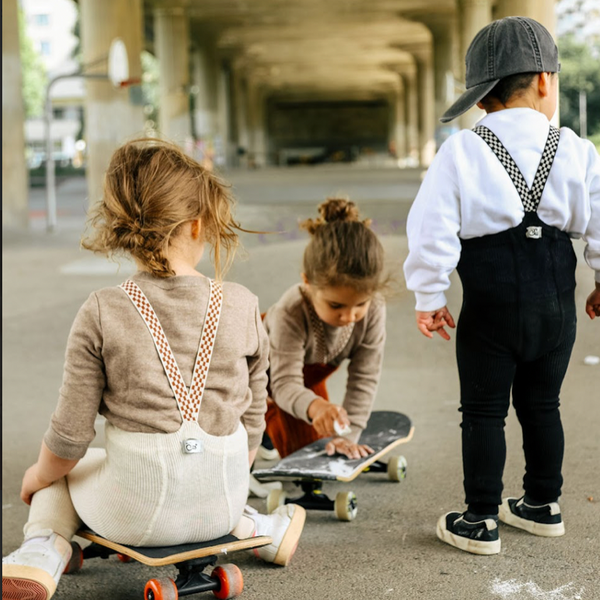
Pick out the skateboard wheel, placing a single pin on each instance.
(275, 499)
(230, 579)
(124, 558)
(76, 561)
(161, 589)
(396, 468)
(345, 506)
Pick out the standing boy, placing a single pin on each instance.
(500, 204)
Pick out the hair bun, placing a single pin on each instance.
(338, 209)
(334, 210)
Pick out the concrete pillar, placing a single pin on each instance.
(397, 131)
(257, 156)
(240, 97)
(224, 117)
(412, 119)
(400, 125)
(205, 77)
(425, 82)
(112, 115)
(171, 27)
(14, 170)
(540, 10)
(473, 16)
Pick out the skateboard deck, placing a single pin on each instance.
(169, 555)
(385, 430)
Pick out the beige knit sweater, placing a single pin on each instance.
(294, 344)
(112, 366)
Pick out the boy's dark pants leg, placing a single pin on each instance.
(496, 352)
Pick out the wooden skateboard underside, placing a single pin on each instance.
(385, 431)
(168, 555)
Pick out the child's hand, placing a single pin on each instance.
(31, 484)
(592, 304)
(323, 414)
(341, 445)
(435, 320)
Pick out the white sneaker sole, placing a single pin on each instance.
(541, 529)
(266, 454)
(466, 544)
(20, 582)
(290, 540)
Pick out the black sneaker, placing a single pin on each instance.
(544, 520)
(475, 536)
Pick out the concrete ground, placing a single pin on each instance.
(390, 550)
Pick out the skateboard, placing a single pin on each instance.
(225, 581)
(310, 466)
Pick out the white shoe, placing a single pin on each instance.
(267, 454)
(284, 526)
(261, 490)
(32, 571)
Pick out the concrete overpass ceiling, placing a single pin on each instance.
(313, 46)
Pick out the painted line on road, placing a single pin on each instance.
(513, 590)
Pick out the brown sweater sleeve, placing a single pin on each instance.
(288, 335)
(72, 425)
(364, 370)
(253, 419)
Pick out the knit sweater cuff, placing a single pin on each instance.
(428, 302)
(63, 447)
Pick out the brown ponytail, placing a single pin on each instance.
(151, 188)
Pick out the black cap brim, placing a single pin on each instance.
(468, 99)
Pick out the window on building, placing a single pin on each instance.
(45, 48)
(41, 19)
(58, 113)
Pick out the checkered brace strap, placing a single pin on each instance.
(188, 403)
(207, 343)
(530, 197)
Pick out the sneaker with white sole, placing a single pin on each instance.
(477, 534)
(284, 526)
(32, 571)
(543, 519)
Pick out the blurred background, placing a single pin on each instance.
(248, 84)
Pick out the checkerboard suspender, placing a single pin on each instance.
(529, 197)
(207, 344)
(189, 404)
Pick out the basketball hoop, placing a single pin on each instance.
(130, 81)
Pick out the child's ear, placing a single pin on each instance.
(304, 278)
(544, 84)
(196, 228)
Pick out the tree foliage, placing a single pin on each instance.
(33, 73)
(580, 71)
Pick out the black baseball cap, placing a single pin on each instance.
(505, 47)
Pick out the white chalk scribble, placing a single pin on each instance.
(513, 590)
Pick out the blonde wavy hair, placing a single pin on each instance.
(343, 250)
(151, 188)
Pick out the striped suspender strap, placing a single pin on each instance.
(188, 403)
(530, 197)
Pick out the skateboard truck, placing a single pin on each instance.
(344, 505)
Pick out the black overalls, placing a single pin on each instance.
(516, 330)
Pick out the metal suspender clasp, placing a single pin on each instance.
(534, 232)
(192, 446)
